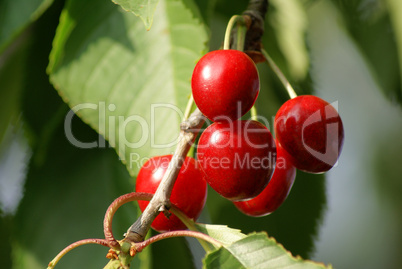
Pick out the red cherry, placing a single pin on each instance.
(238, 158)
(311, 131)
(225, 84)
(189, 192)
(277, 190)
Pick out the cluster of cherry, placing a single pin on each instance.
(240, 159)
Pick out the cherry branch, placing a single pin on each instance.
(161, 200)
(256, 10)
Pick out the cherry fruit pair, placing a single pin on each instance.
(309, 133)
(238, 157)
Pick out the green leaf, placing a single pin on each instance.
(68, 191)
(289, 20)
(142, 8)
(207, 8)
(228, 8)
(11, 81)
(222, 233)
(174, 251)
(37, 92)
(5, 248)
(376, 29)
(256, 251)
(65, 200)
(395, 9)
(15, 15)
(137, 82)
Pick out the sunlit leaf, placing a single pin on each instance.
(222, 233)
(142, 8)
(128, 84)
(253, 252)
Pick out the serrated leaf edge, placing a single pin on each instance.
(147, 21)
(296, 258)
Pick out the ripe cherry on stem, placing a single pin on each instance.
(277, 190)
(311, 131)
(189, 192)
(225, 84)
(237, 157)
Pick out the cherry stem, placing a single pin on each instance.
(116, 204)
(240, 40)
(140, 246)
(254, 113)
(241, 35)
(74, 245)
(189, 107)
(279, 74)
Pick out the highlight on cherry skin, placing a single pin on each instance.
(277, 190)
(311, 131)
(189, 192)
(238, 158)
(225, 84)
